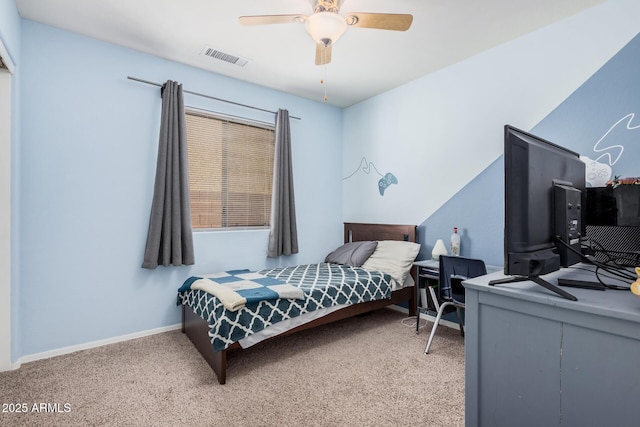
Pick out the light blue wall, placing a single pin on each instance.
(601, 120)
(442, 135)
(10, 27)
(89, 144)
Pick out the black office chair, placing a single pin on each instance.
(449, 294)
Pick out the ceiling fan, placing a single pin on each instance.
(326, 26)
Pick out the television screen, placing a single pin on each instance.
(544, 195)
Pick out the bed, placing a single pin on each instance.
(217, 330)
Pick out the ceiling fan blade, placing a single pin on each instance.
(323, 54)
(380, 21)
(272, 19)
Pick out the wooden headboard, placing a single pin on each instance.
(356, 232)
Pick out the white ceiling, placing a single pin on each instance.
(365, 62)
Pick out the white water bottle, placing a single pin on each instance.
(455, 242)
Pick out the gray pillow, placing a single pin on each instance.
(352, 253)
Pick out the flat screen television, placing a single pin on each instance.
(544, 220)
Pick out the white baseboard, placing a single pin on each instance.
(92, 344)
(107, 341)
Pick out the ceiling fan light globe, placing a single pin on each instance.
(325, 25)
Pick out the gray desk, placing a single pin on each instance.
(536, 359)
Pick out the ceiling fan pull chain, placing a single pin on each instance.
(322, 82)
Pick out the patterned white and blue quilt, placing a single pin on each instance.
(235, 288)
(323, 285)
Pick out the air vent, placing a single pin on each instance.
(222, 56)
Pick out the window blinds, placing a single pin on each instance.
(230, 172)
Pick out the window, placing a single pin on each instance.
(230, 171)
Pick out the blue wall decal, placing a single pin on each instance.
(383, 183)
(386, 181)
(609, 150)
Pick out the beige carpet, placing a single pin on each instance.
(364, 371)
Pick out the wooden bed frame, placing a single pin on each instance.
(197, 329)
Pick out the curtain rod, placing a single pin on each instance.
(211, 97)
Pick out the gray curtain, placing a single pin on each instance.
(170, 239)
(283, 237)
